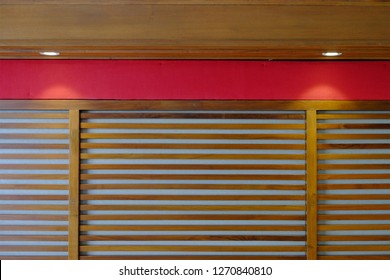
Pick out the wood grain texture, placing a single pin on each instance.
(311, 181)
(149, 29)
(74, 184)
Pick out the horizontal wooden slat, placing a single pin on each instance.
(34, 146)
(354, 196)
(102, 197)
(191, 136)
(354, 227)
(352, 186)
(353, 156)
(33, 228)
(33, 217)
(350, 217)
(185, 115)
(353, 125)
(43, 207)
(182, 237)
(355, 257)
(187, 177)
(34, 156)
(353, 166)
(195, 207)
(192, 228)
(186, 126)
(34, 166)
(353, 146)
(354, 248)
(332, 116)
(193, 146)
(33, 115)
(194, 257)
(192, 186)
(50, 238)
(193, 217)
(195, 156)
(195, 248)
(86, 166)
(352, 176)
(33, 197)
(34, 125)
(40, 257)
(33, 187)
(322, 207)
(33, 136)
(34, 176)
(322, 136)
(40, 248)
(353, 237)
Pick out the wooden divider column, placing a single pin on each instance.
(311, 181)
(74, 184)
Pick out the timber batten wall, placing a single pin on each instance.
(194, 179)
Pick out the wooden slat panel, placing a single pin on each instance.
(356, 257)
(193, 146)
(196, 248)
(191, 197)
(355, 227)
(191, 238)
(33, 136)
(185, 115)
(187, 126)
(192, 166)
(191, 136)
(187, 177)
(353, 156)
(195, 207)
(194, 156)
(191, 186)
(353, 166)
(191, 217)
(193, 257)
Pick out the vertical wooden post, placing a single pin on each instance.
(74, 184)
(311, 180)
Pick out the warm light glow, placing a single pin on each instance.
(331, 53)
(51, 53)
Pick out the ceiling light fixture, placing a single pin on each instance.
(50, 53)
(330, 54)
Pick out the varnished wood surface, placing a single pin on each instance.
(195, 29)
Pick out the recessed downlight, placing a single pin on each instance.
(49, 53)
(330, 54)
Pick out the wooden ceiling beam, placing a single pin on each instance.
(236, 30)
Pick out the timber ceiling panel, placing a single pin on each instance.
(195, 29)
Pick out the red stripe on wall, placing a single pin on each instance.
(194, 79)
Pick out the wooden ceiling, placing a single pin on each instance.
(195, 29)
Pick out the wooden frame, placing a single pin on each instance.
(311, 109)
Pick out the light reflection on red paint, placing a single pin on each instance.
(59, 92)
(324, 92)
